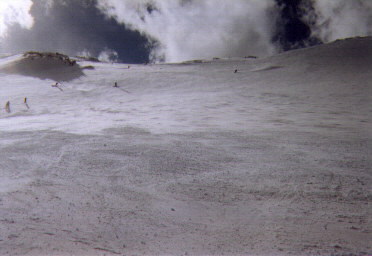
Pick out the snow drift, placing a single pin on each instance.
(54, 66)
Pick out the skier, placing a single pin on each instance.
(236, 71)
(7, 106)
(117, 86)
(57, 86)
(25, 102)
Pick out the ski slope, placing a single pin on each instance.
(188, 158)
(195, 96)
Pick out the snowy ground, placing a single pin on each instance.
(189, 158)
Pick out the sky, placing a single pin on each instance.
(176, 30)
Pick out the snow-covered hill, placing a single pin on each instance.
(304, 89)
(223, 156)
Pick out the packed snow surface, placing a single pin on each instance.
(238, 156)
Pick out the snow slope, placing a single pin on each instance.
(188, 157)
(304, 89)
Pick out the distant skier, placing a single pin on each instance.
(25, 102)
(56, 85)
(117, 86)
(7, 106)
(236, 71)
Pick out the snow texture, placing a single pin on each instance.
(188, 158)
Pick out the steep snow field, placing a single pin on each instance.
(188, 158)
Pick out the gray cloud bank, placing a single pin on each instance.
(176, 30)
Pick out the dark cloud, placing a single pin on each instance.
(71, 26)
(294, 24)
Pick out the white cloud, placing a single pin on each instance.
(14, 11)
(108, 55)
(199, 29)
(343, 18)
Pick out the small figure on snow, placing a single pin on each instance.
(117, 86)
(7, 106)
(57, 86)
(25, 102)
(236, 71)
